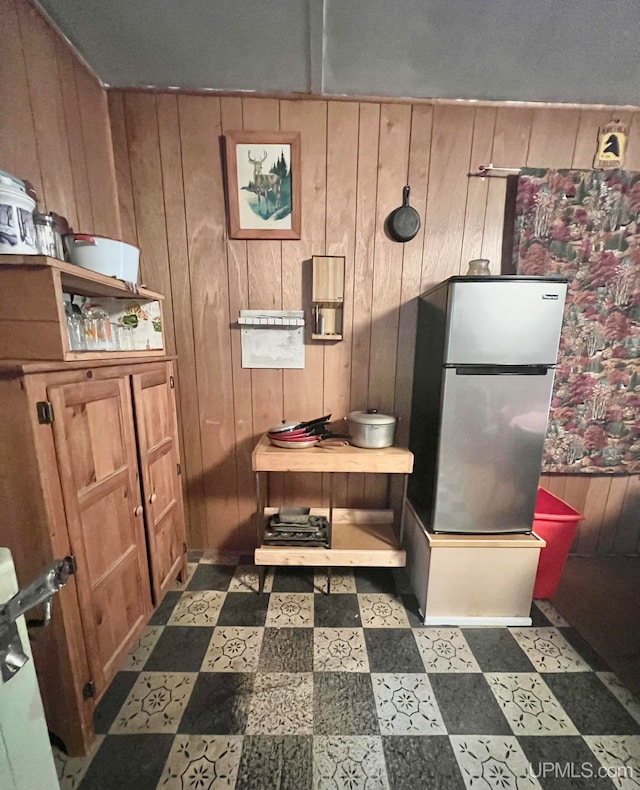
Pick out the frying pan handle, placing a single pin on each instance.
(405, 195)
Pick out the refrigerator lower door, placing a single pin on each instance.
(490, 446)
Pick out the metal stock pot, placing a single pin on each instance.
(371, 430)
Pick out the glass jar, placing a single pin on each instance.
(98, 329)
(48, 238)
(479, 266)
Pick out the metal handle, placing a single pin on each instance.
(153, 497)
(40, 591)
(138, 511)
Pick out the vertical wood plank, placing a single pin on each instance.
(626, 539)
(180, 283)
(48, 113)
(419, 158)
(83, 214)
(341, 191)
(17, 127)
(237, 272)
(265, 292)
(448, 175)
(594, 507)
(122, 167)
(146, 181)
(367, 188)
(303, 389)
(200, 128)
(553, 138)
(611, 517)
(96, 133)
(478, 189)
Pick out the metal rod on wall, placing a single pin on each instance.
(487, 171)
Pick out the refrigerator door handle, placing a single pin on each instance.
(501, 370)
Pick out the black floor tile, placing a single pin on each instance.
(584, 649)
(538, 619)
(298, 580)
(467, 705)
(287, 650)
(374, 580)
(415, 761)
(194, 555)
(273, 761)
(179, 649)
(411, 607)
(343, 704)
(392, 650)
(219, 704)
(165, 610)
(332, 613)
(244, 609)
(496, 650)
(566, 761)
(590, 705)
(132, 762)
(211, 577)
(113, 699)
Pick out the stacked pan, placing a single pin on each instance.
(296, 435)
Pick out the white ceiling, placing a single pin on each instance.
(583, 51)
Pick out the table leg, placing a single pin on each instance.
(402, 510)
(328, 580)
(262, 573)
(330, 509)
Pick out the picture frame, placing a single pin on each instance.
(263, 184)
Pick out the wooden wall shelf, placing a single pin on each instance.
(33, 323)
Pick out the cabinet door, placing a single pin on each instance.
(161, 485)
(96, 451)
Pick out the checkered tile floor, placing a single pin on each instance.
(296, 689)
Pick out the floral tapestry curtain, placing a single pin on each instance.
(585, 225)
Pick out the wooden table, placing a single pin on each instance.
(358, 537)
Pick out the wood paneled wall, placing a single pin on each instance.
(54, 123)
(163, 153)
(356, 157)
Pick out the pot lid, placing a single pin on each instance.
(10, 180)
(371, 417)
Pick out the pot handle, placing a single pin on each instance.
(84, 237)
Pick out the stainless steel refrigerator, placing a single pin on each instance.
(486, 349)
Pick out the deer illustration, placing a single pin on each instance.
(263, 183)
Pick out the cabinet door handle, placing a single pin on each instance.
(153, 497)
(138, 511)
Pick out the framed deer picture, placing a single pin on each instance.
(263, 184)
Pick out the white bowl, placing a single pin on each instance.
(105, 256)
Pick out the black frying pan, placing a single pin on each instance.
(403, 223)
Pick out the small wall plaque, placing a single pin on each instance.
(612, 143)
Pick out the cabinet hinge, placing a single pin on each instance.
(178, 469)
(184, 548)
(44, 411)
(89, 690)
(72, 564)
(172, 382)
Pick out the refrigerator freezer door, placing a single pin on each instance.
(489, 451)
(510, 322)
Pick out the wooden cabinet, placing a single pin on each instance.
(89, 467)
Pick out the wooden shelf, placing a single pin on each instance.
(359, 538)
(326, 337)
(33, 324)
(80, 281)
(331, 458)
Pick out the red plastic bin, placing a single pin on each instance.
(556, 522)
